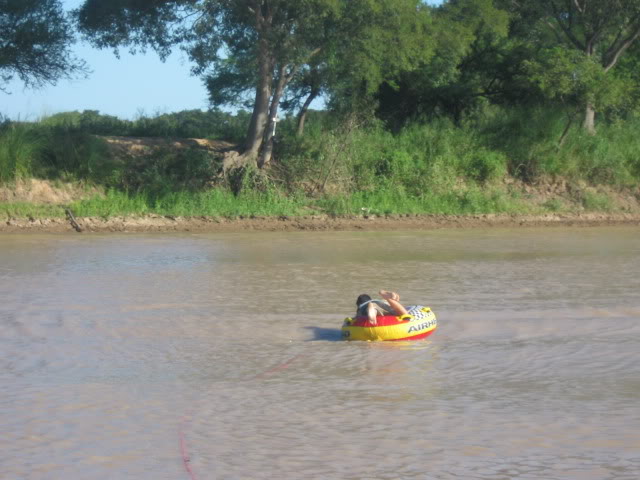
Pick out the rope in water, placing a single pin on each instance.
(186, 459)
(184, 451)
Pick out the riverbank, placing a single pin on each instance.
(158, 223)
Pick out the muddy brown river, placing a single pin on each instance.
(218, 356)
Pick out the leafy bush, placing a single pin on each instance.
(71, 153)
(165, 171)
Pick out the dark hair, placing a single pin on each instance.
(362, 298)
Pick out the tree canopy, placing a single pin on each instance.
(581, 42)
(522, 52)
(35, 40)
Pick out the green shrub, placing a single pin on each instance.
(487, 166)
(530, 140)
(165, 171)
(72, 153)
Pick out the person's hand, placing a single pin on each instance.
(389, 295)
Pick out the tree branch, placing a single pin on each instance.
(578, 7)
(613, 54)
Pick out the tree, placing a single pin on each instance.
(472, 62)
(248, 50)
(35, 40)
(266, 43)
(600, 30)
(336, 47)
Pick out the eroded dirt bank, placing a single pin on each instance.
(157, 223)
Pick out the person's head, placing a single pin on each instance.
(362, 299)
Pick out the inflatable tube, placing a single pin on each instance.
(405, 327)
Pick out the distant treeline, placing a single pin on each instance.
(212, 124)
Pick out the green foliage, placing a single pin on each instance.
(20, 147)
(580, 44)
(114, 203)
(74, 154)
(610, 158)
(165, 171)
(572, 77)
(35, 40)
(392, 201)
(422, 157)
(593, 201)
(474, 62)
(529, 139)
(52, 152)
(430, 109)
(10, 210)
(217, 202)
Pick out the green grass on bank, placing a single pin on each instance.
(22, 210)
(336, 169)
(223, 203)
(212, 203)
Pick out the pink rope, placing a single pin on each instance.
(277, 368)
(184, 452)
(186, 459)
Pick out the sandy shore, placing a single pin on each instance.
(157, 223)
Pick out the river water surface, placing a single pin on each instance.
(218, 356)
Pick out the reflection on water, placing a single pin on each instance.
(121, 356)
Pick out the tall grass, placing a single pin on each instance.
(30, 210)
(20, 148)
(422, 157)
(532, 141)
(386, 201)
(440, 157)
(222, 203)
(52, 152)
(217, 202)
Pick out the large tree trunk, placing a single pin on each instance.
(267, 149)
(260, 115)
(259, 118)
(590, 119)
(302, 116)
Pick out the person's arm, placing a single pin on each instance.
(372, 313)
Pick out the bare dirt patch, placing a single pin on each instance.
(44, 192)
(137, 146)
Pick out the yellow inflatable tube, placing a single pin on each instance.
(405, 327)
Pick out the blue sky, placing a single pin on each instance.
(125, 87)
